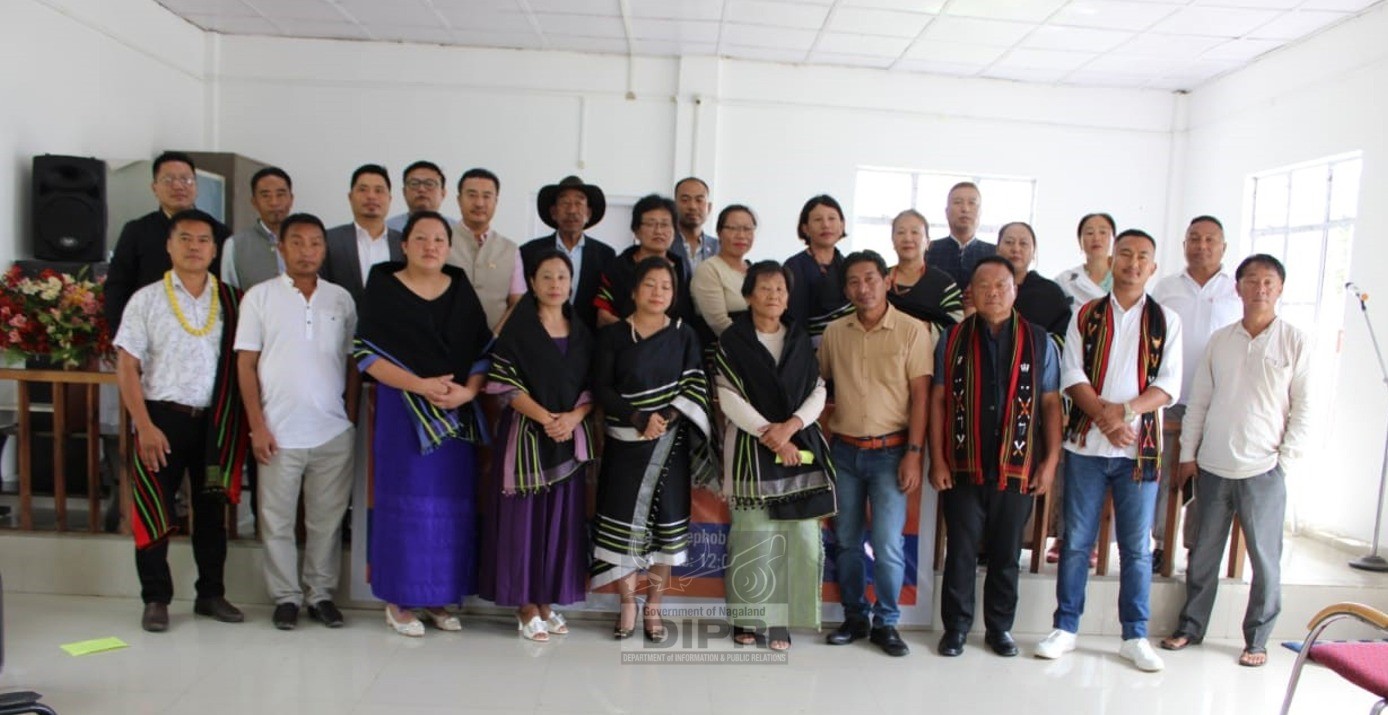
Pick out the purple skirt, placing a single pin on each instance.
(423, 521)
(534, 548)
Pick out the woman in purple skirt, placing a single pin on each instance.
(423, 336)
(534, 545)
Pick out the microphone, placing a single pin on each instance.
(1356, 291)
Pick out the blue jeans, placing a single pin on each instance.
(1086, 481)
(869, 477)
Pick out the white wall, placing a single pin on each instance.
(763, 134)
(1319, 98)
(104, 78)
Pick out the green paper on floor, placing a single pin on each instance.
(96, 645)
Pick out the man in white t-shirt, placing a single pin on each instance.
(293, 343)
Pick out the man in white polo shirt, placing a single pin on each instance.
(293, 344)
(1247, 420)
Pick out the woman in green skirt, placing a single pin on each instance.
(776, 470)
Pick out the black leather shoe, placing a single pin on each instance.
(286, 616)
(218, 608)
(326, 612)
(1001, 643)
(952, 644)
(1157, 556)
(155, 618)
(849, 631)
(886, 638)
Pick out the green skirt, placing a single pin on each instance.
(774, 572)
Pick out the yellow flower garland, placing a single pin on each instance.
(178, 312)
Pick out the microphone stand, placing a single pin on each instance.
(1372, 561)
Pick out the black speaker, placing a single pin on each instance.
(69, 208)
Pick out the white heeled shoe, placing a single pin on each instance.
(443, 620)
(533, 629)
(556, 624)
(412, 627)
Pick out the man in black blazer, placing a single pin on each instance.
(353, 248)
(570, 207)
(141, 256)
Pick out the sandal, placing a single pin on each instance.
(443, 620)
(778, 634)
(657, 634)
(1253, 657)
(408, 625)
(1180, 640)
(618, 631)
(556, 624)
(743, 635)
(533, 629)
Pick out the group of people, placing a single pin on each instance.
(799, 391)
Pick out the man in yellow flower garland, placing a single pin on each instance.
(177, 377)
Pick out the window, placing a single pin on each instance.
(1304, 215)
(880, 194)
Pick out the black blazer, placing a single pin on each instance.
(342, 265)
(596, 256)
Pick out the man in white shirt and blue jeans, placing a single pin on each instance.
(293, 343)
(1120, 367)
(1247, 418)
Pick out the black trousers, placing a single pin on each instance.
(981, 514)
(187, 437)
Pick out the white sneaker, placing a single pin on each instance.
(1058, 643)
(1140, 652)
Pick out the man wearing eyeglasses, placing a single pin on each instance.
(425, 189)
(141, 257)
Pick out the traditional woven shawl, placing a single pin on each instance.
(964, 373)
(1096, 335)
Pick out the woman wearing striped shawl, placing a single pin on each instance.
(423, 336)
(647, 376)
(534, 527)
(776, 468)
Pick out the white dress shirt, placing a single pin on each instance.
(175, 366)
(371, 251)
(1203, 310)
(1120, 385)
(1249, 409)
(303, 346)
(1080, 288)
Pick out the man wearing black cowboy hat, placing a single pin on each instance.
(570, 207)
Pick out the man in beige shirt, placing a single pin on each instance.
(878, 361)
(490, 260)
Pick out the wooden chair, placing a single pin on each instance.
(1363, 663)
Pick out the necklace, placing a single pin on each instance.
(637, 337)
(178, 311)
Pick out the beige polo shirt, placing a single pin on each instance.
(871, 371)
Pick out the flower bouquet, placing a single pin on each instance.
(55, 316)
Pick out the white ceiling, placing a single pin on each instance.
(1157, 44)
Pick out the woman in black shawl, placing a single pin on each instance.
(653, 226)
(925, 293)
(1039, 299)
(776, 469)
(423, 336)
(648, 378)
(534, 540)
(816, 293)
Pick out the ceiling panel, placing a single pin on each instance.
(869, 21)
(1163, 44)
(777, 14)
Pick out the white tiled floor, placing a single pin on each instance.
(210, 668)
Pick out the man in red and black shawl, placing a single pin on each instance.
(994, 443)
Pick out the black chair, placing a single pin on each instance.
(24, 701)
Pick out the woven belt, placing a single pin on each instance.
(179, 408)
(885, 441)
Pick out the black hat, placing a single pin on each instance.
(597, 203)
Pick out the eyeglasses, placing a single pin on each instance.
(657, 225)
(427, 184)
(177, 180)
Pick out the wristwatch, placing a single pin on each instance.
(913, 448)
(1128, 414)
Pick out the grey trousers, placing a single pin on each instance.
(324, 475)
(1261, 505)
(1170, 459)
